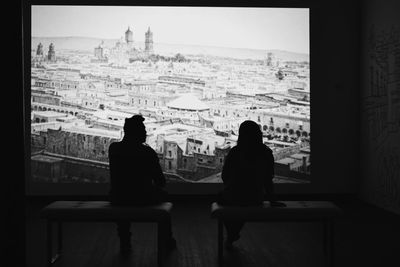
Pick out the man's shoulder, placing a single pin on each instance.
(148, 150)
(269, 151)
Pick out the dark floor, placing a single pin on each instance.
(364, 236)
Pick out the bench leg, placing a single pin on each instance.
(49, 243)
(328, 242)
(49, 238)
(60, 238)
(160, 243)
(220, 243)
(331, 243)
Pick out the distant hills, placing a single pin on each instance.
(89, 43)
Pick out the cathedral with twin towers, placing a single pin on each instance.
(148, 43)
(125, 49)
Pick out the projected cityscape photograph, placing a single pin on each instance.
(194, 73)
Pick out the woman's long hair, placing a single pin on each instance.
(250, 138)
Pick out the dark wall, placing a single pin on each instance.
(334, 97)
(380, 104)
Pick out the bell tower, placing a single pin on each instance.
(129, 37)
(148, 42)
(39, 50)
(51, 56)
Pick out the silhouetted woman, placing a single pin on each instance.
(247, 174)
(136, 177)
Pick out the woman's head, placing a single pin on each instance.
(249, 134)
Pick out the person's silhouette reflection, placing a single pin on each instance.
(136, 176)
(247, 175)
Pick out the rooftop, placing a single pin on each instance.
(49, 114)
(286, 161)
(44, 158)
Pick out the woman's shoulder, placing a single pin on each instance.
(114, 146)
(267, 149)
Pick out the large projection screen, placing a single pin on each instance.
(194, 73)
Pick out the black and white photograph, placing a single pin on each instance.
(193, 80)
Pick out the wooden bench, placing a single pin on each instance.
(295, 211)
(102, 211)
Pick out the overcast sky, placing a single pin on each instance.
(258, 28)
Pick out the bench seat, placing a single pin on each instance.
(104, 211)
(294, 210)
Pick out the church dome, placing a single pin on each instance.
(188, 102)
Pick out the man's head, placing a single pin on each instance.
(134, 129)
(249, 133)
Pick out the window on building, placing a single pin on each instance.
(169, 165)
(169, 153)
(258, 119)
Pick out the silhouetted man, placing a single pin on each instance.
(247, 175)
(136, 176)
